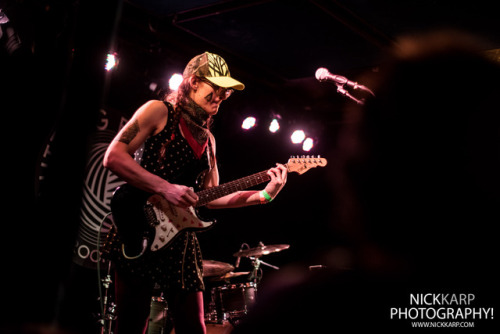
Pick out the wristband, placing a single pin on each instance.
(262, 198)
(265, 197)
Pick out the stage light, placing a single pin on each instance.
(307, 144)
(111, 61)
(298, 136)
(3, 19)
(153, 86)
(274, 126)
(248, 123)
(174, 81)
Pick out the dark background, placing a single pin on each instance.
(53, 81)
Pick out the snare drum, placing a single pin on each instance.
(231, 301)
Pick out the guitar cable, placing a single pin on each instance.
(144, 246)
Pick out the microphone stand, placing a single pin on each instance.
(323, 75)
(341, 90)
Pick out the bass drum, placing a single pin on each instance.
(231, 302)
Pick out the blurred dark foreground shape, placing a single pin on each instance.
(416, 177)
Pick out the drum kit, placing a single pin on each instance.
(230, 294)
(231, 301)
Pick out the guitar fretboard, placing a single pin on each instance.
(208, 195)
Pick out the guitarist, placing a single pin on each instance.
(172, 144)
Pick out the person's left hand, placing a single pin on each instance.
(278, 176)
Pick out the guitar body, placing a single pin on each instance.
(148, 220)
(139, 215)
(169, 220)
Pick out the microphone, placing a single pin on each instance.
(322, 74)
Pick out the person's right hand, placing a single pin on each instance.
(179, 195)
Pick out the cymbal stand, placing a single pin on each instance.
(256, 274)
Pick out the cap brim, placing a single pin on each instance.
(226, 82)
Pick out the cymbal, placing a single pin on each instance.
(215, 268)
(230, 275)
(260, 250)
(237, 274)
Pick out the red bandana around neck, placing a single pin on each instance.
(198, 149)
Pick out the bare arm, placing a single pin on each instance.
(252, 197)
(148, 120)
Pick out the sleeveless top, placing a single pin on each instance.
(179, 265)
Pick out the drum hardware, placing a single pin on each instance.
(158, 322)
(317, 267)
(256, 274)
(230, 302)
(108, 309)
(254, 255)
(212, 316)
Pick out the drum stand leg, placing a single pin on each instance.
(108, 311)
(211, 314)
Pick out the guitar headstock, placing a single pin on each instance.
(304, 163)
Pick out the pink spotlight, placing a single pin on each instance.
(248, 123)
(175, 81)
(298, 136)
(307, 144)
(111, 61)
(274, 126)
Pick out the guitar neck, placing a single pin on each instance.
(208, 195)
(295, 164)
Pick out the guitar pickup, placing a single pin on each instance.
(150, 214)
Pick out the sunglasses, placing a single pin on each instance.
(221, 92)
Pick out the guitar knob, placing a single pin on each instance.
(164, 227)
(162, 238)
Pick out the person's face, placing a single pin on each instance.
(208, 96)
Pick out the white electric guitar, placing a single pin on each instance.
(157, 222)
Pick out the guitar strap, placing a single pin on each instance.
(211, 150)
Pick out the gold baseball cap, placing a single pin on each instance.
(213, 68)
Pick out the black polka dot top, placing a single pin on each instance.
(178, 266)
